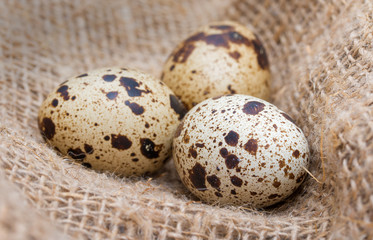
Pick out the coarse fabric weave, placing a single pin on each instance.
(321, 57)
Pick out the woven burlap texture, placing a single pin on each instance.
(321, 55)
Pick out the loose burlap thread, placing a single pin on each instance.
(321, 56)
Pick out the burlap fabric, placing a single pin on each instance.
(321, 55)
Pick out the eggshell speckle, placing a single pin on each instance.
(240, 150)
(113, 119)
(220, 58)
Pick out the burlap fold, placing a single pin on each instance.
(321, 56)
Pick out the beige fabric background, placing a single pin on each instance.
(321, 55)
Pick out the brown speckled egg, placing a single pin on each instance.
(220, 58)
(114, 119)
(240, 150)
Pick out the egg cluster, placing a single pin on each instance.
(232, 147)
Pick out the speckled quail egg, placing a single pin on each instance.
(220, 58)
(115, 119)
(240, 150)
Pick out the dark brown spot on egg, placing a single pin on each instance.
(120, 142)
(112, 95)
(135, 108)
(233, 192)
(192, 152)
(291, 176)
(236, 181)
(286, 170)
(131, 86)
(200, 145)
(186, 138)
(296, 154)
(253, 107)
(251, 146)
(177, 106)
(237, 38)
(217, 97)
(107, 138)
(223, 39)
(260, 53)
(172, 67)
(253, 193)
(223, 152)
(218, 194)
(222, 27)
(260, 179)
(83, 75)
(63, 90)
(272, 196)
(76, 153)
(282, 163)
(73, 98)
(88, 148)
(214, 181)
(231, 161)
(276, 184)
(197, 176)
(183, 53)
(149, 149)
(109, 78)
(288, 117)
(218, 40)
(232, 138)
(87, 165)
(235, 55)
(55, 103)
(147, 125)
(230, 89)
(47, 128)
(135, 160)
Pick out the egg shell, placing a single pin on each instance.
(114, 119)
(240, 150)
(220, 58)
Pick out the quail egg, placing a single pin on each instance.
(220, 58)
(240, 150)
(115, 120)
